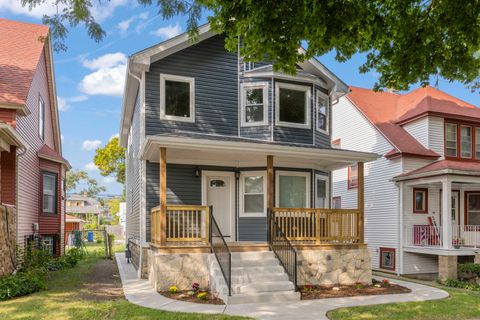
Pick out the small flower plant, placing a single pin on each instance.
(308, 287)
(202, 296)
(457, 242)
(385, 283)
(359, 286)
(173, 289)
(195, 287)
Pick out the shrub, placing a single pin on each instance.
(21, 284)
(359, 286)
(195, 287)
(453, 283)
(173, 289)
(385, 283)
(202, 296)
(472, 268)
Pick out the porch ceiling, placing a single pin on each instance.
(239, 153)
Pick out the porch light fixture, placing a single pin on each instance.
(197, 172)
(237, 174)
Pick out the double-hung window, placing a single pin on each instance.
(322, 111)
(254, 102)
(177, 98)
(253, 185)
(420, 200)
(466, 141)
(477, 143)
(292, 105)
(49, 193)
(352, 177)
(451, 139)
(292, 189)
(321, 191)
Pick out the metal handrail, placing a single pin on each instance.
(283, 250)
(225, 266)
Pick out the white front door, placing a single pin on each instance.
(219, 192)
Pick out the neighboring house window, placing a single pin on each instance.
(466, 141)
(292, 106)
(420, 200)
(451, 139)
(177, 98)
(322, 112)
(336, 202)
(49, 193)
(292, 189)
(41, 118)
(387, 258)
(337, 143)
(48, 243)
(352, 176)
(253, 185)
(321, 191)
(254, 104)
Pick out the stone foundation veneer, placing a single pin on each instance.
(181, 270)
(447, 267)
(336, 266)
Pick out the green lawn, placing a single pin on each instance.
(461, 304)
(63, 300)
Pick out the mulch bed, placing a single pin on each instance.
(103, 282)
(184, 296)
(340, 291)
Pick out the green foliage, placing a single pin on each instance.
(111, 240)
(22, 283)
(110, 160)
(406, 42)
(453, 283)
(472, 268)
(74, 178)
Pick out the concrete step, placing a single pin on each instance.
(277, 296)
(258, 277)
(255, 255)
(259, 287)
(257, 269)
(255, 262)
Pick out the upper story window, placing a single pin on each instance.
(322, 111)
(41, 118)
(462, 141)
(292, 105)
(254, 104)
(352, 177)
(49, 199)
(177, 98)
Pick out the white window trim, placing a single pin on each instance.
(327, 190)
(293, 174)
(243, 175)
(308, 107)
(41, 118)
(191, 82)
(243, 97)
(320, 95)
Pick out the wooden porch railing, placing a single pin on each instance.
(319, 226)
(183, 223)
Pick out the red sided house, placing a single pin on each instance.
(32, 167)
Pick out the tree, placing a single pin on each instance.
(405, 41)
(110, 160)
(75, 178)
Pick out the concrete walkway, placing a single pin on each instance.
(140, 292)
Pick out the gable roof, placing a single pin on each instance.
(140, 62)
(388, 111)
(21, 48)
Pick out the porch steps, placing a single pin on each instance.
(256, 277)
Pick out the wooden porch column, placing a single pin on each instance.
(163, 196)
(361, 200)
(270, 202)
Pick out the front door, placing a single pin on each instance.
(219, 192)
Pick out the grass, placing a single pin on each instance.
(63, 300)
(461, 304)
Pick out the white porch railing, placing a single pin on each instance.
(466, 236)
(424, 236)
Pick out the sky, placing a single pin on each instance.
(90, 76)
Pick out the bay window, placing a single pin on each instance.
(177, 98)
(254, 103)
(292, 105)
(352, 181)
(292, 189)
(322, 111)
(253, 185)
(451, 139)
(49, 199)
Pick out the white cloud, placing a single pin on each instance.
(102, 10)
(108, 77)
(15, 7)
(65, 103)
(109, 180)
(90, 167)
(124, 25)
(144, 15)
(89, 145)
(169, 31)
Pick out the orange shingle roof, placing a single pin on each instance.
(387, 111)
(21, 45)
(444, 165)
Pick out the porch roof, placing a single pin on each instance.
(442, 167)
(233, 151)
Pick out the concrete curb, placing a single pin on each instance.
(140, 292)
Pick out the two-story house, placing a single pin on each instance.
(231, 156)
(422, 207)
(32, 166)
